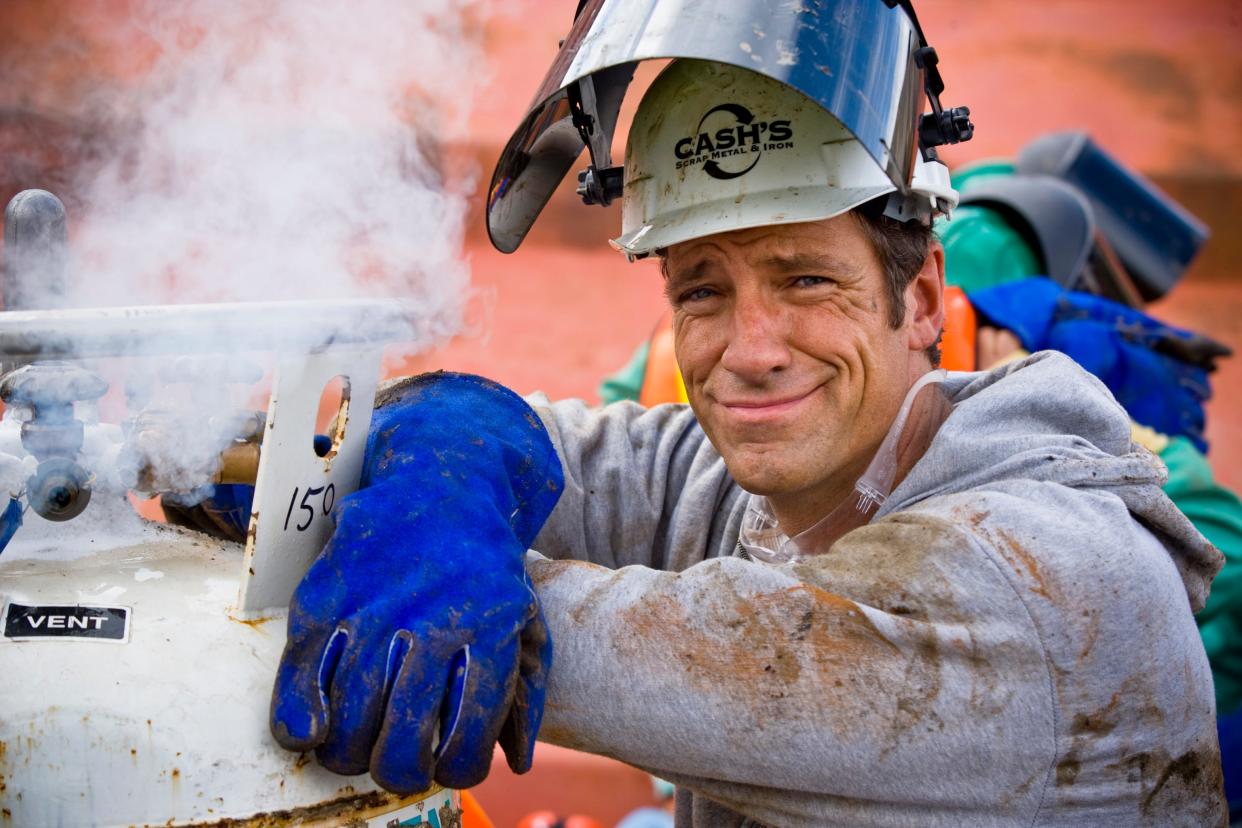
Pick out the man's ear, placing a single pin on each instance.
(925, 301)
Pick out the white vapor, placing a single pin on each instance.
(260, 151)
(283, 150)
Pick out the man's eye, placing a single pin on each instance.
(810, 281)
(697, 294)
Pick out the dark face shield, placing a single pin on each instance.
(856, 58)
(1153, 236)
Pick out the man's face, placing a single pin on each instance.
(784, 340)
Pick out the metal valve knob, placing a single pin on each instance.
(60, 489)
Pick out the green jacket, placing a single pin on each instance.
(1216, 512)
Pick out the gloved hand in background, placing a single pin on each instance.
(416, 640)
(10, 521)
(225, 513)
(14, 472)
(1159, 373)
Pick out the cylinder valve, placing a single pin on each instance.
(60, 488)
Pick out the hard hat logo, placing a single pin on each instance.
(746, 137)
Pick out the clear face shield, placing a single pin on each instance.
(864, 61)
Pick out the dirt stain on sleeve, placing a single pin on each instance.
(1021, 560)
(802, 642)
(1067, 771)
(1183, 784)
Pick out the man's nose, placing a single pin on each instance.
(758, 341)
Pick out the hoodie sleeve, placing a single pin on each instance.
(874, 684)
(642, 486)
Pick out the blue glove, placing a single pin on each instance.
(10, 521)
(1159, 373)
(225, 513)
(416, 640)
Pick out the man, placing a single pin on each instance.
(840, 588)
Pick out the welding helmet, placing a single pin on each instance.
(1016, 226)
(1068, 210)
(1154, 237)
(849, 77)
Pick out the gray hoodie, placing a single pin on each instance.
(1010, 641)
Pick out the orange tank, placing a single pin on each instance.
(957, 347)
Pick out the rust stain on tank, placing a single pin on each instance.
(252, 530)
(343, 812)
(337, 431)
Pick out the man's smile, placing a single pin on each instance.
(766, 409)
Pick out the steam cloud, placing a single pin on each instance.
(273, 150)
(238, 151)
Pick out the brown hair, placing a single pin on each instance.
(902, 248)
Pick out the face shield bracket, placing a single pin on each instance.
(601, 186)
(940, 126)
(601, 181)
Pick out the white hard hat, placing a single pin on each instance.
(715, 147)
(846, 79)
